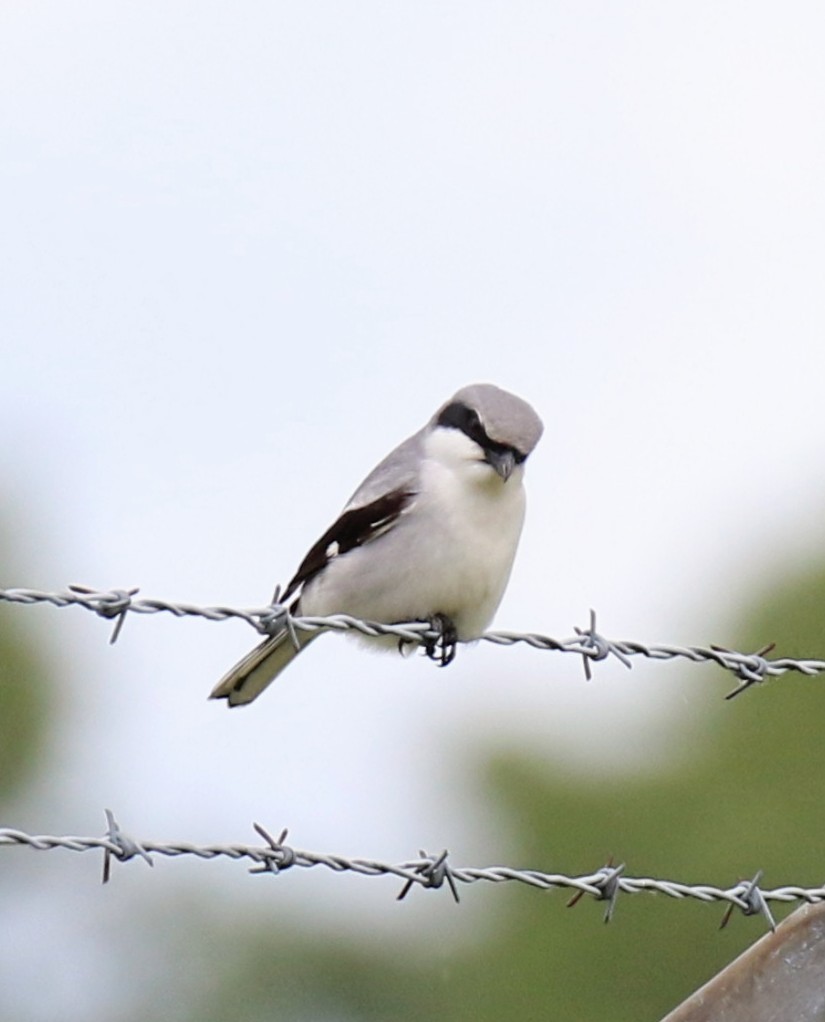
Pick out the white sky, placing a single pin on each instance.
(247, 248)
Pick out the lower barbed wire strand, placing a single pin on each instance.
(412, 871)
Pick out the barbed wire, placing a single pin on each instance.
(588, 643)
(429, 871)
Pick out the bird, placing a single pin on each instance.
(429, 535)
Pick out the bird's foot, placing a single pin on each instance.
(441, 648)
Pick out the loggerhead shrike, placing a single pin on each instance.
(430, 535)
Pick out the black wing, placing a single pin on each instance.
(355, 527)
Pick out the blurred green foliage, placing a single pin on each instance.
(24, 714)
(26, 703)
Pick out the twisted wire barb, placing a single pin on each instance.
(428, 871)
(115, 604)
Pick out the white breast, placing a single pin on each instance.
(478, 518)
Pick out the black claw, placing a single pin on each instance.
(442, 648)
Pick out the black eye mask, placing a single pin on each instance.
(460, 416)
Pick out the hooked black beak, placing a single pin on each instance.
(502, 461)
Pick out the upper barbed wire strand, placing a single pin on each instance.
(115, 604)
